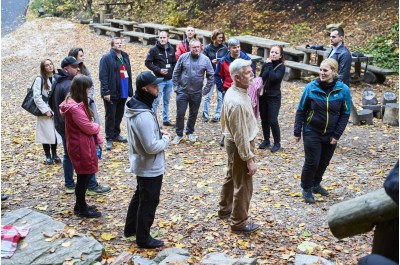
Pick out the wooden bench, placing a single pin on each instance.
(101, 30)
(136, 36)
(294, 70)
(126, 25)
(174, 43)
(255, 58)
(92, 25)
(375, 74)
(293, 54)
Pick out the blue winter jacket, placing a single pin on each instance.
(343, 56)
(321, 112)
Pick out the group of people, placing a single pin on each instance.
(71, 118)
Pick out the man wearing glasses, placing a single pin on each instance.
(187, 82)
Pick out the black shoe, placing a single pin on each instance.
(308, 197)
(224, 215)
(249, 228)
(129, 234)
(276, 147)
(109, 144)
(4, 197)
(168, 123)
(56, 159)
(222, 143)
(151, 243)
(264, 144)
(215, 120)
(318, 189)
(49, 161)
(90, 207)
(90, 214)
(120, 139)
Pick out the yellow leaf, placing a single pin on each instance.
(180, 245)
(107, 236)
(102, 199)
(264, 188)
(17, 141)
(41, 207)
(188, 161)
(66, 244)
(277, 205)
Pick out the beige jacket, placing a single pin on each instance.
(238, 122)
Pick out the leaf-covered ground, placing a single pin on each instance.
(186, 216)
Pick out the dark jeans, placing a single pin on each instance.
(269, 111)
(142, 207)
(46, 148)
(318, 154)
(182, 101)
(82, 184)
(69, 170)
(114, 114)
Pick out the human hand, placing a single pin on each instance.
(297, 139)
(166, 134)
(268, 60)
(49, 113)
(215, 61)
(251, 166)
(333, 141)
(107, 98)
(164, 71)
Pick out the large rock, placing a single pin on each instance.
(175, 259)
(218, 259)
(302, 259)
(35, 250)
(142, 261)
(170, 251)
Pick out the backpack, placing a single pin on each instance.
(50, 96)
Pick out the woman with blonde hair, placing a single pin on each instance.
(322, 115)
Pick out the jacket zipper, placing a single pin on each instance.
(327, 109)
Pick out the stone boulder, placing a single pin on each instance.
(302, 259)
(170, 251)
(35, 250)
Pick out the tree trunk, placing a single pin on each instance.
(359, 215)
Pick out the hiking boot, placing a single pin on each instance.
(150, 243)
(90, 207)
(249, 228)
(308, 197)
(168, 123)
(319, 190)
(120, 139)
(192, 138)
(177, 139)
(69, 190)
(90, 214)
(276, 147)
(264, 144)
(109, 144)
(98, 190)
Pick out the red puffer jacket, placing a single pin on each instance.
(79, 131)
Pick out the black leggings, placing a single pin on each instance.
(82, 184)
(269, 111)
(46, 148)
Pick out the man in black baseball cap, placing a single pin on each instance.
(69, 60)
(146, 155)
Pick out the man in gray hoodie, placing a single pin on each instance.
(146, 155)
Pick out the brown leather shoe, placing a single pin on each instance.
(249, 228)
(224, 215)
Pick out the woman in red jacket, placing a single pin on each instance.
(82, 135)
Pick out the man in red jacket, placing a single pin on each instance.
(183, 46)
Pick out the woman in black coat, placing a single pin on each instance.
(272, 73)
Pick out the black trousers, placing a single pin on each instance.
(142, 207)
(269, 111)
(82, 184)
(318, 154)
(114, 113)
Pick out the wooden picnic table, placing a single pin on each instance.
(153, 28)
(126, 24)
(323, 54)
(203, 35)
(263, 45)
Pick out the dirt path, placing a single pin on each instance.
(186, 216)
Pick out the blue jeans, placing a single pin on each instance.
(165, 94)
(207, 104)
(182, 101)
(69, 170)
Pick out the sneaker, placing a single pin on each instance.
(192, 138)
(69, 190)
(308, 197)
(150, 243)
(215, 119)
(318, 189)
(205, 119)
(98, 190)
(264, 144)
(109, 144)
(120, 139)
(90, 214)
(49, 160)
(177, 139)
(276, 147)
(168, 123)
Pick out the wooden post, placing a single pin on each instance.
(391, 115)
(359, 215)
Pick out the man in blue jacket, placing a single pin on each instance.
(116, 85)
(341, 54)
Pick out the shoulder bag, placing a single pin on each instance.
(29, 104)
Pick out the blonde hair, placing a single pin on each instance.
(333, 64)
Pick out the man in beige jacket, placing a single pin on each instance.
(239, 126)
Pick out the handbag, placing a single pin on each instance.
(29, 104)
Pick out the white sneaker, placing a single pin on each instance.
(177, 139)
(192, 138)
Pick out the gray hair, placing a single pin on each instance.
(193, 40)
(232, 42)
(236, 67)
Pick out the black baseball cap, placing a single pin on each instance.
(147, 78)
(69, 60)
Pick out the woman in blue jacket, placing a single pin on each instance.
(323, 112)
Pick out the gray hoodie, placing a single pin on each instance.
(146, 145)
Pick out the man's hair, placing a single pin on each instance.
(114, 39)
(190, 26)
(217, 32)
(339, 30)
(232, 42)
(163, 31)
(236, 67)
(193, 40)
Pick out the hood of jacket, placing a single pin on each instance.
(134, 107)
(62, 75)
(69, 104)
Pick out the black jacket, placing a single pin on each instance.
(109, 75)
(60, 88)
(272, 76)
(158, 57)
(343, 57)
(213, 52)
